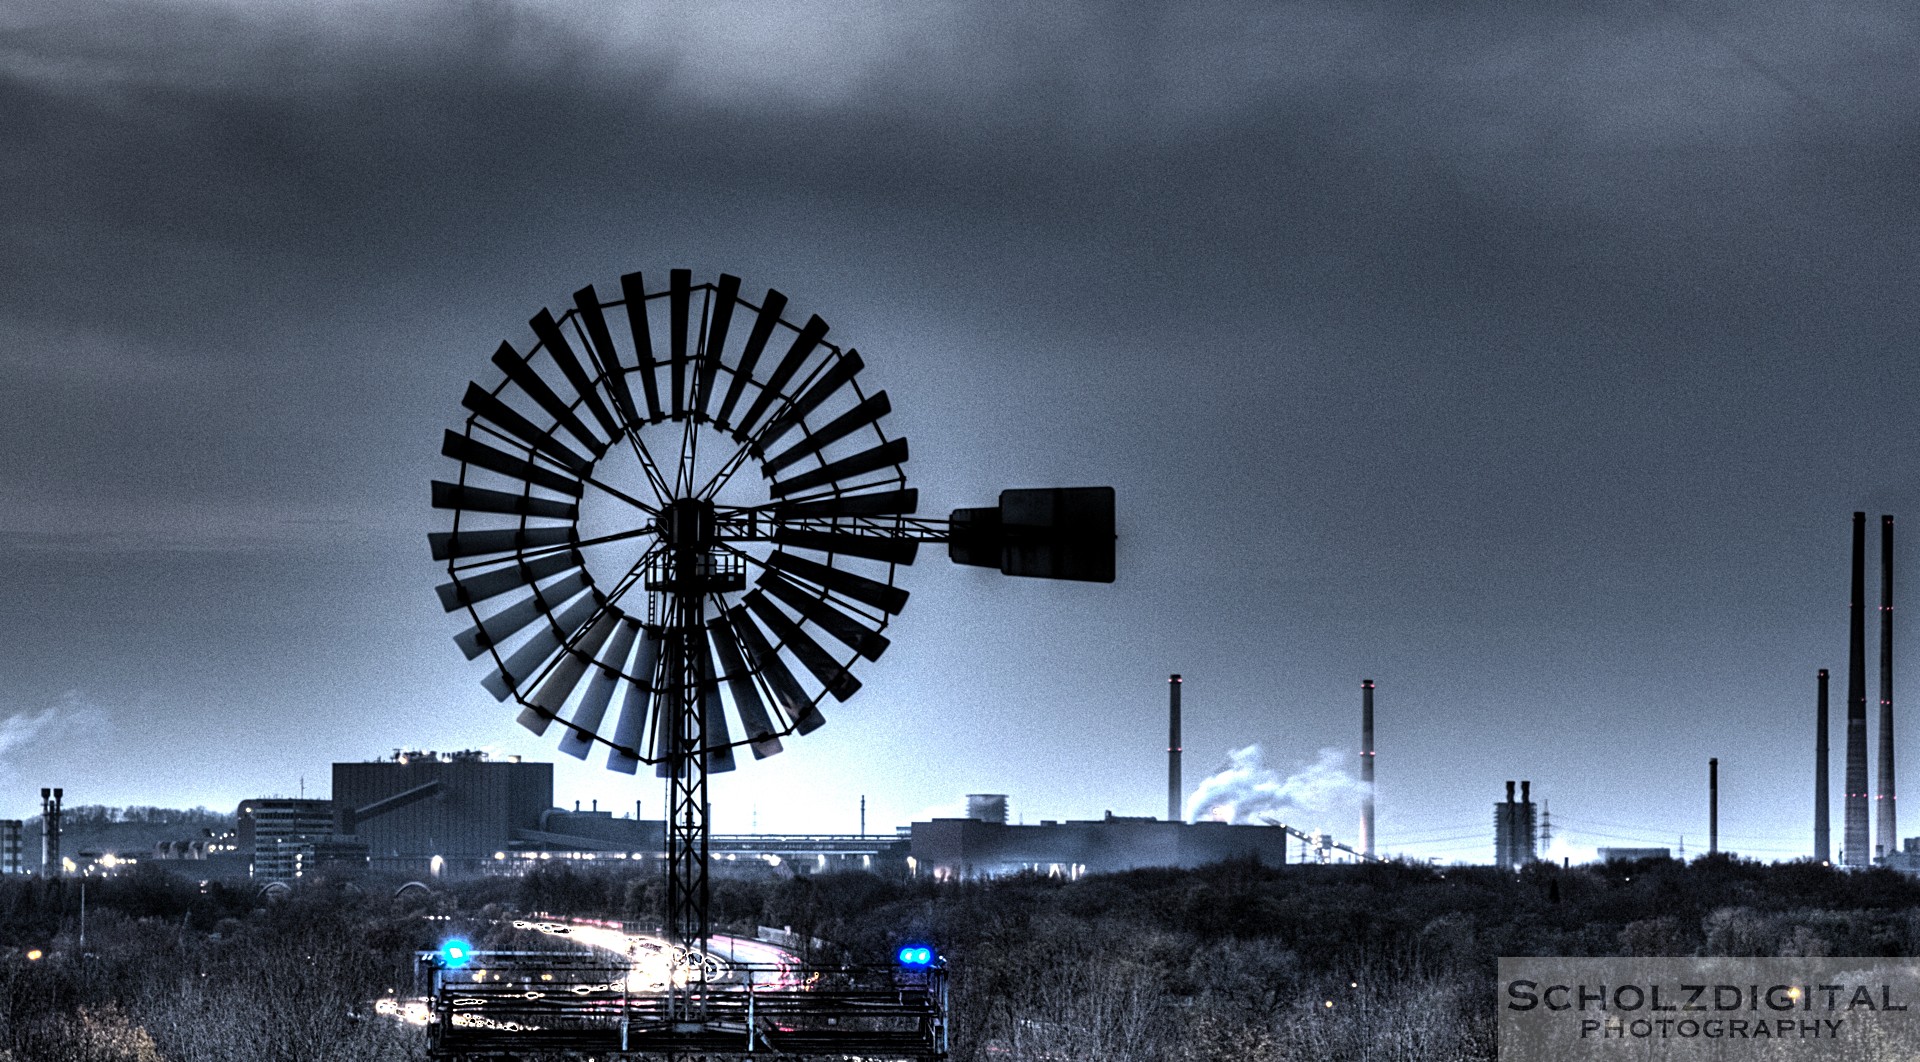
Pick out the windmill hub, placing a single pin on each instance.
(694, 561)
(688, 525)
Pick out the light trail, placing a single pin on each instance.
(654, 963)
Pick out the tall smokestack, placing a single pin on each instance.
(1885, 828)
(1713, 806)
(1853, 850)
(1173, 749)
(1366, 767)
(1822, 830)
(1509, 790)
(50, 820)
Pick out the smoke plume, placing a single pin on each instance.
(26, 730)
(1247, 791)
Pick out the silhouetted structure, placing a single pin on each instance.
(1822, 829)
(1886, 827)
(50, 857)
(1174, 811)
(12, 860)
(276, 835)
(1610, 855)
(1513, 829)
(1366, 767)
(1713, 806)
(987, 807)
(970, 848)
(702, 664)
(461, 806)
(1854, 848)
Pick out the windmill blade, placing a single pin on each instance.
(844, 628)
(719, 757)
(476, 499)
(891, 452)
(508, 420)
(763, 327)
(724, 295)
(465, 589)
(713, 710)
(480, 455)
(632, 726)
(544, 706)
(803, 345)
(746, 695)
(886, 548)
(793, 701)
(450, 544)
(679, 299)
(842, 370)
(868, 411)
(578, 738)
(527, 660)
(503, 624)
(877, 503)
(509, 361)
(557, 347)
(586, 302)
(838, 680)
(888, 599)
(634, 291)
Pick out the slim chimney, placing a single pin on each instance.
(1366, 767)
(1509, 790)
(1713, 806)
(1822, 830)
(1525, 843)
(1885, 827)
(50, 817)
(1854, 848)
(1173, 749)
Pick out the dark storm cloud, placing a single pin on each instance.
(1445, 311)
(209, 188)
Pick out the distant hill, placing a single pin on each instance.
(130, 831)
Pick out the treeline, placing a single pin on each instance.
(1392, 963)
(170, 970)
(1386, 963)
(95, 816)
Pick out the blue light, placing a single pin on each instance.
(916, 956)
(456, 952)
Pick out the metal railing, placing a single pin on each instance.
(530, 1003)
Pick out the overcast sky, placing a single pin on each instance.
(1526, 358)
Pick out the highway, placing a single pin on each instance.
(654, 962)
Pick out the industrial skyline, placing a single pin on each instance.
(1533, 382)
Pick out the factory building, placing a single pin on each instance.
(275, 835)
(983, 848)
(465, 811)
(460, 806)
(11, 859)
(1515, 840)
(1628, 855)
